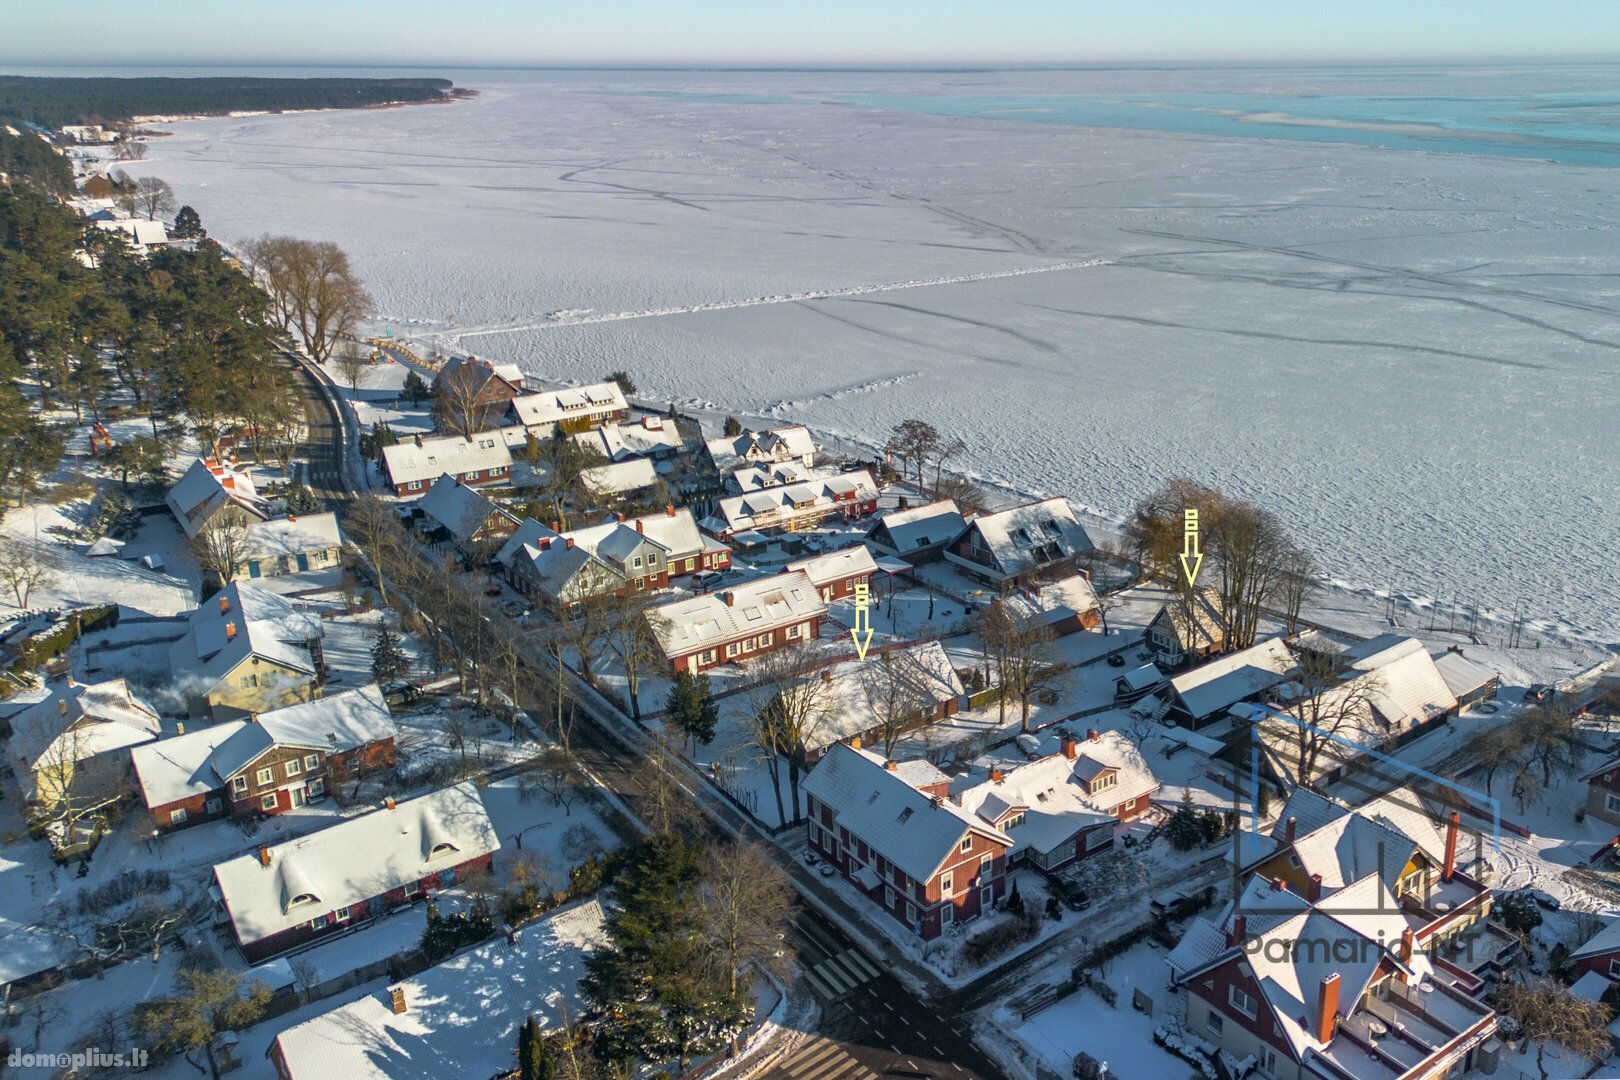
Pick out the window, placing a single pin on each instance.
(1107, 780)
(266, 775)
(967, 843)
(1614, 969)
(211, 806)
(689, 563)
(1215, 1022)
(268, 802)
(239, 785)
(312, 762)
(294, 767)
(318, 922)
(317, 788)
(731, 650)
(911, 912)
(1241, 1000)
(793, 634)
(342, 914)
(945, 885)
(987, 865)
(177, 817)
(765, 640)
(244, 681)
(1613, 803)
(707, 657)
(1268, 1060)
(946, 914)
(636, 561)
(888, 897)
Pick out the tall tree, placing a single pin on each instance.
(204, 1003)
(748, 914)
(154, 196)
(789, 701)
(223, 546)
(1548, 1015)
(389, 661)
(24, 567)
(691, 706)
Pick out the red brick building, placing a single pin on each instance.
(892, 831)
(266, 764)
(837, 573)
(746, 620)
(411, 467)
(328, 882)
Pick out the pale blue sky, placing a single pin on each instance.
(546, 32)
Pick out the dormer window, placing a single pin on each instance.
(302, 898)
(444, 847)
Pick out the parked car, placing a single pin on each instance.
(1074, 897)
(707, 579)
(1116, 659)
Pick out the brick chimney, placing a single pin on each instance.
(264, 856)
(891, 765)
(389, 802)
(224, 604)
(1313, 888)
(996, 776)
(545, 543)
(641, 526)
(620, 516)
(1288, 830)
(1327, 1008)
(568, 542)
(1239, 930)
(669, 508)
(1069, 747)
(1408, 941)
(1094, 735)
(1279, 884)
(396, 1000)
(730, 598)
(230, 631)
(1450, 866)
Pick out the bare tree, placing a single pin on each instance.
(666, 804)
(154, 196)
(1547, 1014)
(628, 628)
(1329, 711)
(306, 976)
(373, 525)
(1296, 580)
(458, 399)
(947, 449)
(914, 442)
(351, 366)
(24, 567)
(898, 688)
(224, 546)
(129, 149)
(789, 700)
(555, 774)
(969, 497)
(748, 913)
(313, 288)
(1025, 659)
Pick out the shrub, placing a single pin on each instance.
(1519, 912)
(1000, 939)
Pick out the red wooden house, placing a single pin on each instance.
(746, 620)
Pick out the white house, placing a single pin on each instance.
(294, 544)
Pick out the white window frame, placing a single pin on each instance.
(342, 914)
(794, 631)
(177, 816)
(967, 844)
(316, 788)
(274, 800)
(987, 865)
(266, 775)
(1241, 1000)
(732, 650)
(293, 766)
(1612, 803)
(318, 923)
(947, 915)
(1215, 1023)
(312, 763)
(239, 784)
(945, 885)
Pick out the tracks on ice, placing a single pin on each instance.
(584, 318)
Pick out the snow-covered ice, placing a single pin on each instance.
(1408, 355)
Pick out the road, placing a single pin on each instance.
(871, 1024)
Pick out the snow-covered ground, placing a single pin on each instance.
(1405, 354)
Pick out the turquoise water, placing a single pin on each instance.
(1523, 112)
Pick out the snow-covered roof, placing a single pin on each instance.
(834, 566)
(1052, 789)
(1606, 940)
(772, 507)
(687, 626)
(648, 436)
(205, 487)
(547, 408)
(78, 721)
(357, 859)
(1310, 812)
(912, 830)
(1053, 601)
(918, 528)
(619, 477)
(1141, 678)
(1590, 987)
(1227, 680)
(461, 1017)
(1031, 535)
(732, 452)
(1196, 621)
(1349, 848)
(294, 535)
(919, 677)
(563, 570)
(205, 760)
(239, 621)
(462, 510)
(142, 234)
(1462, 675)
(418, 460)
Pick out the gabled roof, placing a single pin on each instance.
(1226, 680)
(774, 474)
(919, 528)
(1350, 848)
(1196, 622)
(426, 459)
(778, 444)
(687, 626)
(1053, 601)
(616, 442)
(239, 621)
(461, 1017)
(1031, 535)
(1462, 675)
(910, 829)
(331, 725)
(1606, 940)
(180, 767)
(460, 509)
(294, 535)
(619, 477)
(77, 721)
(1310, 811)
(207, 486)
(546, 408)
(765, 508)
(834, 566)
(1050, 786)
(918, 678)
(478, 374)
(357, 859)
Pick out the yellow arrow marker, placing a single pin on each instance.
(1189, 546)
(863, 619)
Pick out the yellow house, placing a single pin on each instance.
(247, 651)
(72, 748)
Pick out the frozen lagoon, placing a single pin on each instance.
(1412, 356)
